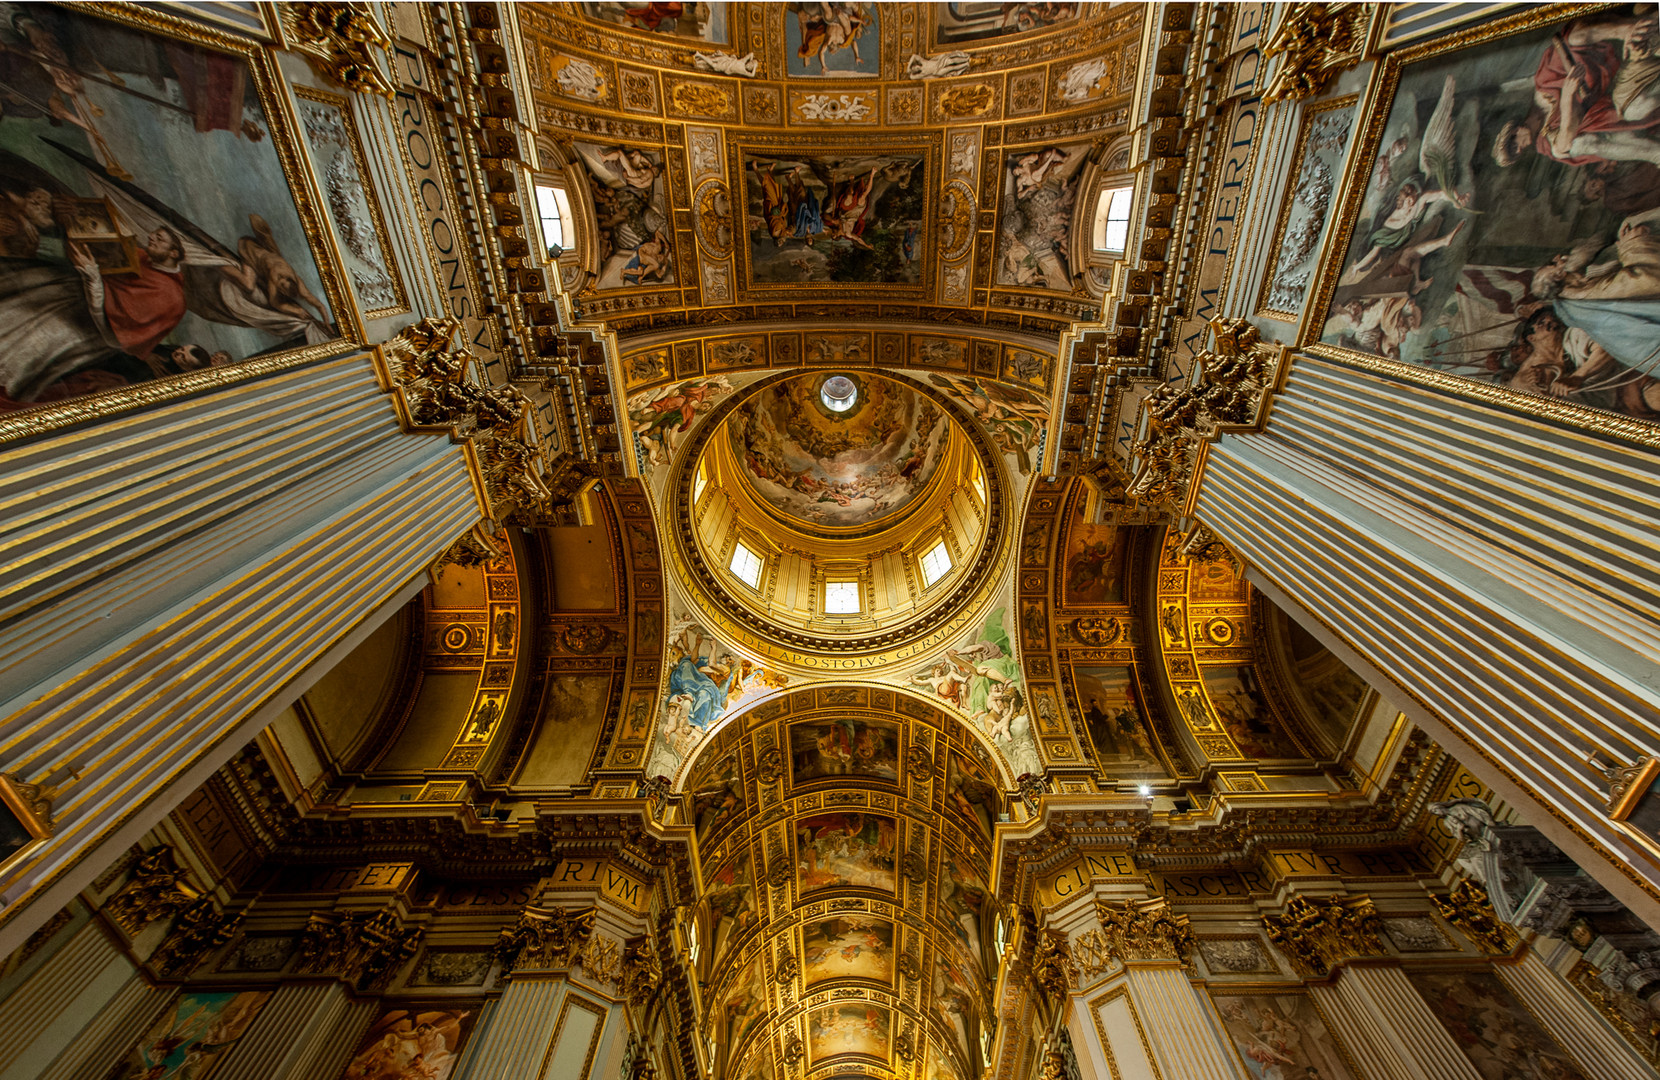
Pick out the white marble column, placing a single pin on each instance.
(1596, 1047)
(1383, 1003)
(167, 576)
(1374, 1048)
(1187, 1038)
(1498, 571)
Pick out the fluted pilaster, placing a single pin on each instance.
(1382, 1002)
(45, 1016)
(167, 574)
(298, 1026)
(515, 1040)
(1183, 1035)
(1497, 569)
(1596, 1048)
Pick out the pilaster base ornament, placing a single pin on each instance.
(364, 950)
(1468, 908)
(545, 938)
(1232, 386)
(198, 931)
(336, 40)
(1319, 934)
(160, 888)
(1314, 42)
(1132, 930)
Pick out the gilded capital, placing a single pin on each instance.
(1229, 390)
(545, 938)
(365, 950)
(1319, 934)
(642, 972)
(1052, 967)
(1468, 908)
(1314, 42)
(199, 929)
(1132, 930)
(160, 888)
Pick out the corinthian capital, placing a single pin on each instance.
(1314, 42)
(1316, 935)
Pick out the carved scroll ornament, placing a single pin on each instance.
(1232, 386)
(432, 378)
(365, 950)
(1314, 42)
(1319, 934)
(337, 41)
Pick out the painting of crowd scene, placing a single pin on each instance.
(1509, 230)
(1496, 1032)
(845, 218)
(962, 23)
(146, 226)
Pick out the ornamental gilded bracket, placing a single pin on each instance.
(1229, 390)
(1319, 934)
(336, 40)
(1314, 42)
(431, 377)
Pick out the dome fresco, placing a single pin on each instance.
(848, 469)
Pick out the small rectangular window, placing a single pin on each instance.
(1112, 221)
(841, 597)
(746, 565)
(698, 484)
(935, 563)
(980, 485)
(554, 208)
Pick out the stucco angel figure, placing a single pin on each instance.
(943, 66)
(744, 67)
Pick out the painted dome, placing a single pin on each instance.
(820, 466)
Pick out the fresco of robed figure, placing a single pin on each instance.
(146, 226)
(1509, 230)
(855, 218)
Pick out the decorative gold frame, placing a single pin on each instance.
(285, 140)
(740, 146)
(1381, 100)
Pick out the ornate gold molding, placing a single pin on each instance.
(1468, 908)
(431, 377)
(160, 888)
(1230, 393)
(335, 39)
(1315, 42)
(545, 938)
(1629, 1015)
(365, 950)
(1319, 934)
(642, 972)
(1052, 969)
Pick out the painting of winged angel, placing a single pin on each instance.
(1509, 229)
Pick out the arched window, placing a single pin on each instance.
(553, 206)
(1112, 220)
